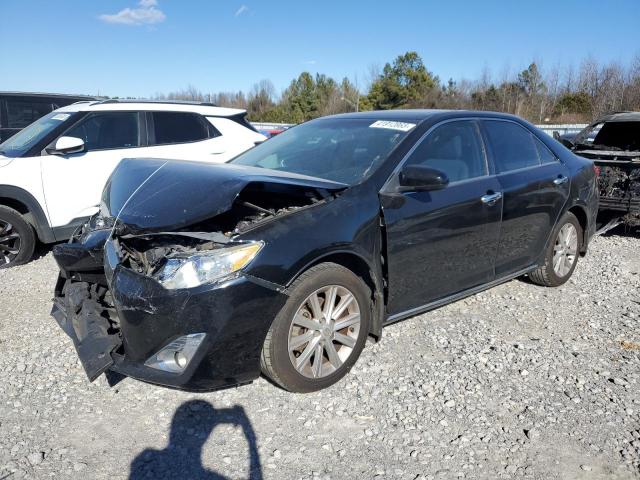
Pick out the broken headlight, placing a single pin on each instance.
(188, 271)
(100, 222)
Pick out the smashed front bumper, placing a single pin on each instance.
(121, 320)
(78, 311)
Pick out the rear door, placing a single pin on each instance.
(445, 241)
(186, 136)
(535, 186)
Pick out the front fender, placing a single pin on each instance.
(345, 230)
(347, 224)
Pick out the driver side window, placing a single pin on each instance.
(454, 148)
(102, 131)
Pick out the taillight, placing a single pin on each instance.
(596, 169)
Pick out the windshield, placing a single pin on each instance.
(345, 150)
(623, 136)
(26, 138)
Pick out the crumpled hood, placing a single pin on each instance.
(161, 195)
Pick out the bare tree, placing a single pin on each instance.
(553, 87)
(373, 73)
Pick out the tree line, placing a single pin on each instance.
(555, 95)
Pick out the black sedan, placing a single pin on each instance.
(284, 261)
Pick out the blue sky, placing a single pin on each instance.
(140, 47)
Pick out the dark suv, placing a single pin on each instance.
(18, 109)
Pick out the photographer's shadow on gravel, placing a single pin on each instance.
(192, 424)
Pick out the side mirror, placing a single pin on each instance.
(66, 146)
(421, 178)
(556, 134)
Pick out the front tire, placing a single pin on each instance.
(17, 238)
(562, 253)
(321, 330)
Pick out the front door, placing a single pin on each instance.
(73, 183)
(445, 241)
(535, 187)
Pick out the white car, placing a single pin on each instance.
(52, 173)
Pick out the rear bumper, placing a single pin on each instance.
(138, 317)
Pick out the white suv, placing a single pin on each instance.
(52, 173)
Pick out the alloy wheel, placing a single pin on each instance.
(565, 250)
(324, 331)
(9, 243)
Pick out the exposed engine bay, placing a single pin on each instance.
(613, 145)
(619, 182)
(257, 204)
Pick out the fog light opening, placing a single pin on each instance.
(177, 355)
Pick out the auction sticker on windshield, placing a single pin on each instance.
(401, 126)
(60, 116)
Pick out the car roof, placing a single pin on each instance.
(206, 109)
(47, 95)
(419, 115)
(620, 117)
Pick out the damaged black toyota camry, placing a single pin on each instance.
(198, 276)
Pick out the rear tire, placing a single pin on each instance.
(17, 238)
(562, 253)
(320, 332)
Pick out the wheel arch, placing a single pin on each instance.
(583, 219)
(27, 205)
(361, 268)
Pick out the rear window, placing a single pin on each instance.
(180, 127)
(589, 135)
(546, 155)
(513, 146)
(21, 113)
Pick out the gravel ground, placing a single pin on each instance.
(519, 381)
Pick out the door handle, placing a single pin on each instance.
(491, 198)
(561, 180)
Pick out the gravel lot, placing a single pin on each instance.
(519, 381)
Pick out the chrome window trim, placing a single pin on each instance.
(522, 169)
